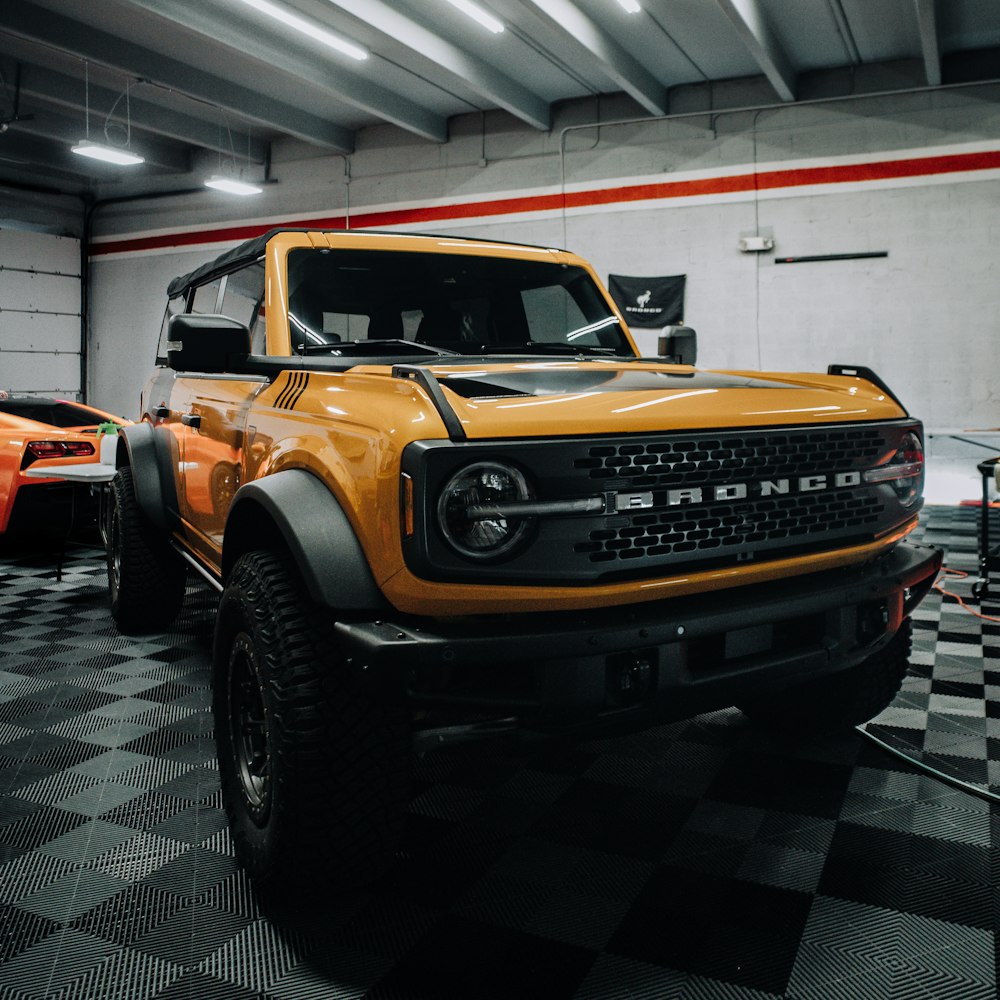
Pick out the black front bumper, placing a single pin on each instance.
(669, 658)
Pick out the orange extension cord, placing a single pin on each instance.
(959, 575)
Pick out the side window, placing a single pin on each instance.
(243, 300)
(553, 315)
(243, 292)
(206, 297)
(174, 306)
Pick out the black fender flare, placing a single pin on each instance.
(314, 527)
(149, 454)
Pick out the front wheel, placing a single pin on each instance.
(315, 774)
(145, 575)
(838, 702)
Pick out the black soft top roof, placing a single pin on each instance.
(251, 250)
(245, 253)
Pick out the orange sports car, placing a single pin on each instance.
(42, 433)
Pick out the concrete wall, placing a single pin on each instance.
(917, 176)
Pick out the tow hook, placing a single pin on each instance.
(630, 678)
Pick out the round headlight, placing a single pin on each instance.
(910, 457)
(904, 471)
(464, 510)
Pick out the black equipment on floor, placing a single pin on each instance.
(989, 556)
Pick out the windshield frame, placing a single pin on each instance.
(413, 280)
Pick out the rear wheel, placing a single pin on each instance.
(838, 702)
(315, 773)
(145, 575)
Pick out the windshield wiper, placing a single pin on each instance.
(376, 347)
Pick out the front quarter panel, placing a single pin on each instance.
(347, 430)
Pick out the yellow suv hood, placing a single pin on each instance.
(529, 399)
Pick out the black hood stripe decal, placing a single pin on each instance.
(551, 381)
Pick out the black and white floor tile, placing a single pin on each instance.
(947, 715)
(704, 860)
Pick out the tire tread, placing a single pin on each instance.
(151, 588)
(340, 763)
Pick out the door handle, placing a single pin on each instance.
(191, 420)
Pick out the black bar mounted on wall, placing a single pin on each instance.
(830, 256)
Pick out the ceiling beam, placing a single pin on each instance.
(18, 173)
(844, 30)
(614, 61)
(929, 43)
(69, 92)
(755, 33)
(485, 79)
(360, 89)
(50, 28)
(30, 198)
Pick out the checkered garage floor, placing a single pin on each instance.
(704, 859)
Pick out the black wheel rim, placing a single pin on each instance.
(115, 550)
(249, 729)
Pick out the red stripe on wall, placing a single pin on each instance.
(767, 181)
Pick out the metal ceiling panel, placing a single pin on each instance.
(222, 79)
(808, 31)
(648, 35)
(512, 52)
(884, 29)
(704, 34)
(53, 30)
(552, 43)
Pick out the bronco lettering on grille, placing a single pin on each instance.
(764, 488)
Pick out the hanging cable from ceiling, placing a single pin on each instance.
(109, 151)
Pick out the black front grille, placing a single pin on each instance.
(671, 502)
(726, 528)
(701, 461)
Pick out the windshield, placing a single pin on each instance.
(341, 301)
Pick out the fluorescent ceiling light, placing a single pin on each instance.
(231, 186)
(109, 154)
(310, 28)
(478, 14)
(630, 6)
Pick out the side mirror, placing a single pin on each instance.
(678, 344)
(198, 342)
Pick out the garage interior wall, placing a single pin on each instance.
(40, 314)
(914, 175)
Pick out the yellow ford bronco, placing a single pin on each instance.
(441, 494)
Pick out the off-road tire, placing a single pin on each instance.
(314, 771)
(838, 702)
(145, 575)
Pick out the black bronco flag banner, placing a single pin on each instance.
(649, 301)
